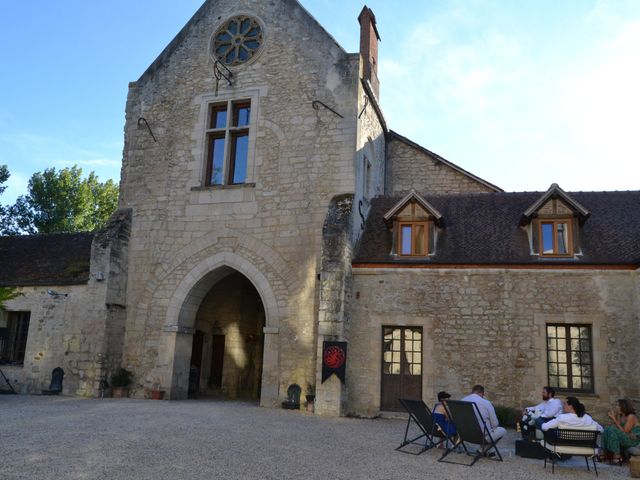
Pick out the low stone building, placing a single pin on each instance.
(266, 208)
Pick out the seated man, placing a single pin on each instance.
(547, 410)
(487, 412)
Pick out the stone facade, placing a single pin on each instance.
(77, 327)
(487, 326)
(263, 269)
(414, 167)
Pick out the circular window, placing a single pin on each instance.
(238, 40)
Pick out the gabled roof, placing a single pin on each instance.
(56, 259)
(483, 229)
(554, 192)
(413, 196)
(199, 15)
(391, 135)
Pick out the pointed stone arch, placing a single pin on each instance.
(182, 309)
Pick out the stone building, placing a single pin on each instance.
(266, 207)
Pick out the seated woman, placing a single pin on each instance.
(574, 418)
(624, 433)
(441, 417)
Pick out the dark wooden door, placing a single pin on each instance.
(217, 359)
(401, 366)
(196, 363)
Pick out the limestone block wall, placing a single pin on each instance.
(488, 326)
(409, 167)
(299, 158)
(81, 329)
(64, 331)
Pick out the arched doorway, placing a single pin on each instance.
(182, 312)
(228, 341)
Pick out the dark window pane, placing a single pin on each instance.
(224, 37)
(563, 238)
(547, 238)
(420, 246)
(230, 57)
(252, 44)
(217, 160)
(243, 53)
(253, 32)
(244, 26)
(240, 150)
(233, 27)
(405, 239)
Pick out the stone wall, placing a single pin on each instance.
(271, 226)
(487, 326)
(413, 168)
(77, 327)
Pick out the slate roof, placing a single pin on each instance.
(483, 228)
(56, 259)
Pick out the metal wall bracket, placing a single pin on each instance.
(316, 106)
(221, 71)
(142, 120)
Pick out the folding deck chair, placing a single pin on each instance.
(420, 414)
(471, 428)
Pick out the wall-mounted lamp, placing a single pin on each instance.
(99, 276)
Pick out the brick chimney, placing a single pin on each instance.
(369, 39)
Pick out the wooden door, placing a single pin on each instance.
(401, 366)
(217, 359)
(196, 363)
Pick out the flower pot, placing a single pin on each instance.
(119, 392)
(157, 394)
(310, 400)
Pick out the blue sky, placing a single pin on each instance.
(523, 94)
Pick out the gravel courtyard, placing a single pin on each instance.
(72, 438)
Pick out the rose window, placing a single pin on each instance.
(238, 40)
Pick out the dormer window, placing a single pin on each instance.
(555, 237)
(413, 221)
(553, 223)
(413, 239)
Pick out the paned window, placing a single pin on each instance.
(413, 239)
(402, 351)
(569, 357)
(555, 237)
(13, 337)
(228, 143)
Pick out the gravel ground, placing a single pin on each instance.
(72, 438)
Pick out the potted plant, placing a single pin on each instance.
(311, 397)
(120, 382)
(157, 393)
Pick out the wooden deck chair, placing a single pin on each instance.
(560, 441)
(471, 428)
(421, 416)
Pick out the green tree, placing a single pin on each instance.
(62, 201)
(6, 294)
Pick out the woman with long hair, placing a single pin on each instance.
(624, 433)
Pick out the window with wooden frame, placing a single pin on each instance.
(556, 237)
(413, 239)
(570, 357)
(228, 143)
(13, 338)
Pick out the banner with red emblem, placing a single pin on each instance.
(334, 360)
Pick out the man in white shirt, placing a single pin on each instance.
(548, 409)
(487, 412)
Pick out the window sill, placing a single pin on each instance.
(572, 393)
(223, 187)
(11, 365)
